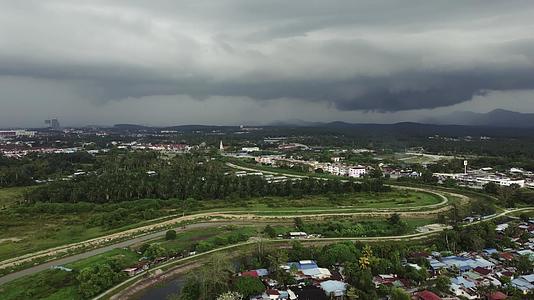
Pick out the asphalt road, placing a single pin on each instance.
(136, 240)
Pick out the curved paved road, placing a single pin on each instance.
(123, 244)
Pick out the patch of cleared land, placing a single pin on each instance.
(11, 196)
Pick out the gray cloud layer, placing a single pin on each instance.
(355, 55)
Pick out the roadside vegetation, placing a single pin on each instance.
(85, 279)
(394, 225)
(91, 276)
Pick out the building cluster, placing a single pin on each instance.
(469, 273)
(171, 147)
(270, 178)
(395, 173)
(144, 263)
(4, 134)
(479, 178)
(335, 167)
(53, 124)
(18, 151)
(311, 282)
(486, 268)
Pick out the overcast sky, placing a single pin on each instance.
(241, 61)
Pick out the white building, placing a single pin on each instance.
(478, 181)
(297, 234)
(337, 169)
(250, 149)
(266, 160)
(357, 171)
(502, 181)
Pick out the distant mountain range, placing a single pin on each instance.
(495, 123)
(494, 118)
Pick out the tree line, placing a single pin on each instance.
(24, 171)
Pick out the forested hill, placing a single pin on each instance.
(417, 129)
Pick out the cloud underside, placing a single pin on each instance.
(382, 56)
(404, 91)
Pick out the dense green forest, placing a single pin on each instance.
(24, 171)
(141, 175)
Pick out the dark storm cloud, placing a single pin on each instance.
(364, 55)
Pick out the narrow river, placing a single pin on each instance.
(163, 290)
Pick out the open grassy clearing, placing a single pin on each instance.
(208, 238)
(396, 199)
(42, 232)
(11, 196)
(362, 228)
(529, 213)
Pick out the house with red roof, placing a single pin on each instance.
(497, 296)
(426, 295)
(250, 273)
(273, 294)
(506, 256)
(482, 271)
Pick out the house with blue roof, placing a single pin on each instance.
(334, 288)
(524, 283)
(303, 265)
(490, 251)
(436, 265)
(461, 281)
(465, 264)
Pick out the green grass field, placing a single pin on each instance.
(212, 236)
(396, 199)
(25, 235)
(11, 196)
